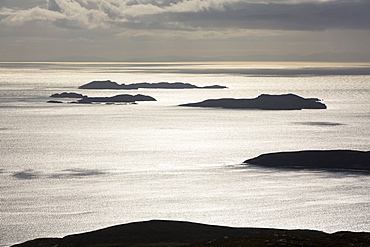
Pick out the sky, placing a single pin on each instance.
(144, 30)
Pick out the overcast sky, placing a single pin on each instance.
(36, 30)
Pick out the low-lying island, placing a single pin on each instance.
(263, 102)
(83, 99)
(315, 159)
(108, 84)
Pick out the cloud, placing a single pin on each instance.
(206, 14)
(278, 16)
(61, 13)
(68, 173)
(26, 174)
(131, 29)
(320, 123)
(77, 172)
(191, 34)
(19, 17)
(53, 6)
(265, 72)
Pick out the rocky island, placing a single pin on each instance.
(67, 95)
(263, 102)
(121, 98)
(164, 233)
(126, 98)
(108, 84)
(316, 159)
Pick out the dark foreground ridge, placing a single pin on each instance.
(163, 233)
(264, 102)
(163, 85)
(316, 159)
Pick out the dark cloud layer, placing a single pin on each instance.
(256, 72)
(37, 30)
(197, 14)
(301, 16)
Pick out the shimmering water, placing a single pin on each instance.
(69, 168)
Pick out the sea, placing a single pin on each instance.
(72, 168)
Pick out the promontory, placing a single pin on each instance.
(263, 102)
(108, 84)
(315, 159)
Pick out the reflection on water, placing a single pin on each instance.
(72, 168)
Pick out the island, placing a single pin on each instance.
(315, 159)
(67, 95)
(263, 102)
(54, 101)
(121, 98)
(166, 233)
(108, 84)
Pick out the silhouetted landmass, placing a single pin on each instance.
(163, 85)
(162, 233)
(67, 95)
(264, 102)
(126, 98)
(314, 159)
(54, 101)
(117, 98)
(320, 123)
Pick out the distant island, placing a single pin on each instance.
(121, 98)
(108, 84)
(54, 101)
(315, 159)
(117, 98)
(165, 233)
(263, 102)
(67, 95)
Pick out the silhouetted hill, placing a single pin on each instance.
(313, 159)
(264, 102)
(163, 233)
(117, 98)
(83, 99)
(108, 84)
(67, 95)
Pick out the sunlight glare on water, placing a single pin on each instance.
(69, 168)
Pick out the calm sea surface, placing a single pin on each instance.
(70, 168)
